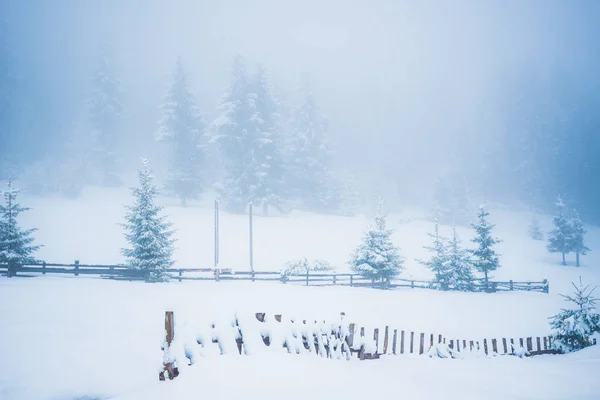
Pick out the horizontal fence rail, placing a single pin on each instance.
(122, 272)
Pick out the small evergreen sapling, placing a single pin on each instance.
(459, 264)
(15, 243)
(577, 244)
(560, 238)
(485, 258)
(148, 233)
(438, 263)
(377, 258)
(575, 326)
(535, 232)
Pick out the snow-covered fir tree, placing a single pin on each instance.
(574, 326)
(148, 233)
(309, 155)
(377, 258)
(438, 262)
(485, 259)
(459, 264)
(246, 130)
(535, 231)
(560, 238)
(105, 116)
(183, 128)
(16, 243)
(303, 266)
(577, 244)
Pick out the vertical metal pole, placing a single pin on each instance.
(251, 240)
(216, 234)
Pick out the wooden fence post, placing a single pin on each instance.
(76, 267)
(471, 345)
(485, 346)
(180, 273)
(385, 340)
(537, 342)
(307, 277)
(422, 343)
(44, 268)
(440, 339)
(504, 347)
(494, 346)
(412, 284)
(511, 284)
(351, 329)
(168, 366)
(376, 339)
(401, 342)
(351, 280)
(529, 344)
(451, 345)
(431, 340)
(412, 342)
(394, 341)
(545, 343)
(546, 286)
(464, 344)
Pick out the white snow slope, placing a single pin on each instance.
(66, 338)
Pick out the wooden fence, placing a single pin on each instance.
(342, 340)
(121, 272)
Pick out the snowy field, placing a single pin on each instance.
(67, 338)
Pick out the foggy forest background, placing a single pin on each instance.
(430, 103)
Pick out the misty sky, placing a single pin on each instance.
(413, 80)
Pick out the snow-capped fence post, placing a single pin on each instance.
(168, 366)
(529, 344)
(494, 346)
(485, 346)
(334, 278)
(546, 286)
(44, 268)
(351, 283)
(351, 331)
(376, 339)
(76, 267)
(412, 284)
(537, 342)
(511, 284)
(307, 277)
(180, 274)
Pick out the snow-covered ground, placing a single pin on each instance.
(66, 338)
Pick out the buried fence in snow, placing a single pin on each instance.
(121, 272)
(337, 340)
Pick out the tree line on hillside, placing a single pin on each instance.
(256, 148)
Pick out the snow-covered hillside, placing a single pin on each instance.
(68, 338)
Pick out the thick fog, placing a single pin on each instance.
(498, 100)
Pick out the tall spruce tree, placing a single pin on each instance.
(577, 244)
(459, 264)
(230, 132)
(148, 233)
(308, 153)
(183, 128)
(246, 132)
(105, 116)
(485, 259)
(560, 238)
(16, 246)
(438, 263)
(377, 258)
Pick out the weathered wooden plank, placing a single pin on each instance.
(385, 340)
(494, 346)
(401, 342)
(537, 342)
(394, 341)
(485, 346)
(504, 347)
(421, 343)
(412, 341)
(529, 344)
